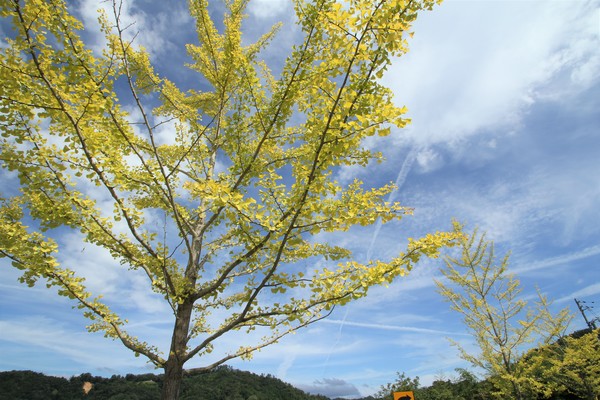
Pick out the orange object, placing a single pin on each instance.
(404, 396)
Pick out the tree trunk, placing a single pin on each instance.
(177, 353)
(517, 391)
(172, 380)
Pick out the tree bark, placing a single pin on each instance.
(174, 365)
(517, 391)
(172, 380)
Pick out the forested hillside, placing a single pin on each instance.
(223, 383)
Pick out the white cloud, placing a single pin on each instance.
(481, 67)
(268, 8)
(331, 387)
(142, 298)
(429, 160)
(150, 29)
(80, 347)
(102, 273)
(285, 365)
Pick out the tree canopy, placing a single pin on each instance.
(222, 212)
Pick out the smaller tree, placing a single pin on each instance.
(479, 287)
(464, 387)
(440, 389)
(403, 383)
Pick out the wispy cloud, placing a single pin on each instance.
(79, 347)
(462, 78)
(393, 327)
(587, 291)
(558, 260)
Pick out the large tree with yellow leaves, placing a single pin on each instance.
(219, 217)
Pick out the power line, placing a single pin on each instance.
(582, 309)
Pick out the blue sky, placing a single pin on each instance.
(505, 102)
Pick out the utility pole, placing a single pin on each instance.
(582, 308)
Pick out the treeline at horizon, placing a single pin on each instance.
(222, 383)
(227, 383)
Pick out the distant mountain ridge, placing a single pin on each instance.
(223, 383)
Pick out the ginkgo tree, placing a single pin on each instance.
(220, 215)
(479, 286)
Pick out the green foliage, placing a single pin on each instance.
(403, 383)
(567, 367)
(223, 383)
(464, 387)
(29, 385)
(226, 383)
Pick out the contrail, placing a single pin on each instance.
(402, 174)
(400, 179)
(396, 328)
